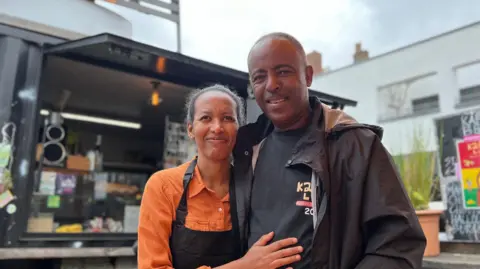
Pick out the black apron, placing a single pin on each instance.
(191, 249)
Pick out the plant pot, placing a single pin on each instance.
(430, 222)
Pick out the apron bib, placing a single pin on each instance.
(191, 249)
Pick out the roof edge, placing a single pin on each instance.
(401, 48)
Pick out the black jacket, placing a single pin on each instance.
(364, 217)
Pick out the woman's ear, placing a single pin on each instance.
(190, 131)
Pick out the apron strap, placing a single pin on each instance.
(182, 207)
(234, 216)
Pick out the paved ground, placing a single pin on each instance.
(452, 261)
(444, 261)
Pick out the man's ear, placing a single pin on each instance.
(190, 131)
(309, 75)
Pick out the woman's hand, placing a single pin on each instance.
(274, 255)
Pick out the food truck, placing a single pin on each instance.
(83, 124)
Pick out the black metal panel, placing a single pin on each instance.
(26, 58)
(9, 50)
(49, 240)
(31, 263)
(129, 56)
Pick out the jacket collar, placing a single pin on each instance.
(326, 124)
(250, 135)
(253, 133)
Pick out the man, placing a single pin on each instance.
(308, 171)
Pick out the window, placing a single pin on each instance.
(426, 105)
(410, 97)
(470, 94)
(95, 156)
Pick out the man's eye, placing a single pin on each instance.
(202, 118)
(257, 78)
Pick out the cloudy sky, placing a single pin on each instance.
(222, 31)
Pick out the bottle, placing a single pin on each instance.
(98, 154)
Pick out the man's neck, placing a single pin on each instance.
(214, 173)
(302, 120)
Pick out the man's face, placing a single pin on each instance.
(280, 79)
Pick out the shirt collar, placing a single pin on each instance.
(196, 186)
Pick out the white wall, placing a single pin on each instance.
(147, 29)
(437, 59)
(73, 19)
(69, 19)
(469, 75)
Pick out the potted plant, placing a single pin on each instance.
(417, 170)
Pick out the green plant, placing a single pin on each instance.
(417, 170)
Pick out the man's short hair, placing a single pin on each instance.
(284, 36)
(281, 35)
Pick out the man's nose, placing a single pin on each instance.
(272, 83)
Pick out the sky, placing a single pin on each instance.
(222, 31)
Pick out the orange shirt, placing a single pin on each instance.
(206, 212)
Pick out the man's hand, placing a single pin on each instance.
(274, 255)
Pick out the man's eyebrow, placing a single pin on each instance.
(258, 71)
(284, 66)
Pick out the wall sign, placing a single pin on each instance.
(469, 164)
(462, 220)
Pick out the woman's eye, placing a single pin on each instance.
(203, 118)
(229, 118)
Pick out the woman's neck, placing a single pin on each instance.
(214, 173)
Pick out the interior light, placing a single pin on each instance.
(155, 100)
(78, 117)
(160, 65)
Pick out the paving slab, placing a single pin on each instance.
(45, 253)
(452, 261)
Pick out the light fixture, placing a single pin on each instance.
(155, 99)
(79, 117)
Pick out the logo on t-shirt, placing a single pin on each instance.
(305, 189)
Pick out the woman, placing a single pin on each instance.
(185, 218)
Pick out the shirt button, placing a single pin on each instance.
(246, 153)
(220, 209)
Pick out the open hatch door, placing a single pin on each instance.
(334, 101)
(114, 52)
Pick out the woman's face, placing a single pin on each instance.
(215, 125)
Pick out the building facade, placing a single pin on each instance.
(410, 87)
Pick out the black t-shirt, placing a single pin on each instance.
(281, 195)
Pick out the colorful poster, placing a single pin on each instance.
(5, 152)
(53, 201)
(47, 182)
(6, 198)
(469, 159)
(65, 184)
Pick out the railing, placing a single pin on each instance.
(160, 8)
